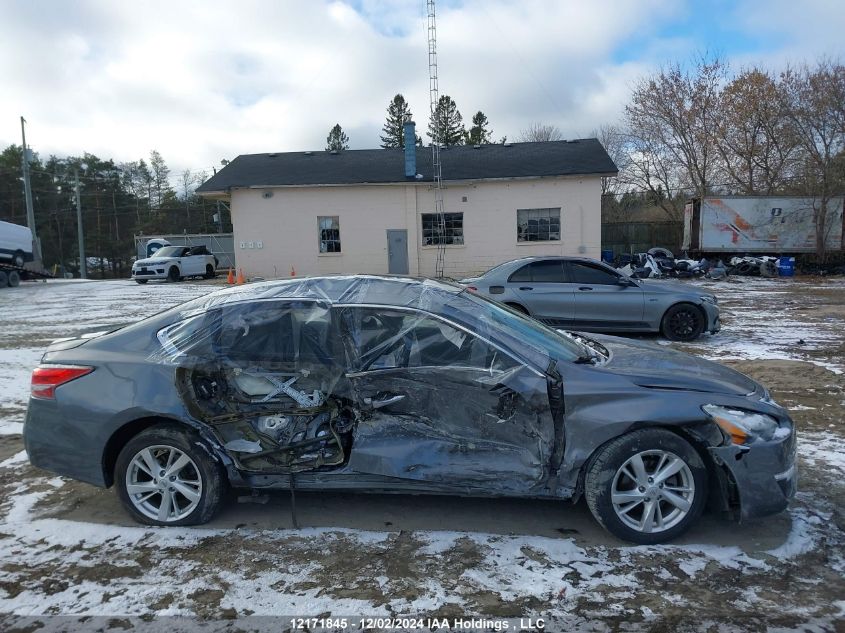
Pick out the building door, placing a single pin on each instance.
(397, 251)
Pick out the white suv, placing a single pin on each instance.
(175, 263)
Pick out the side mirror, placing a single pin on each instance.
(626, 282)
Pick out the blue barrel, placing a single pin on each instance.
(786, 266)
(607, 255)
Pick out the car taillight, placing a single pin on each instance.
(45, 379)
(473, 288)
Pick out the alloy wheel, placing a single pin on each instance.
(683, 323)
(653, 491)
(163, 483)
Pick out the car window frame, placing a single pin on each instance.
(563, 268)
(520, 362)
(568, 265)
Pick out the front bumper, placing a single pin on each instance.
(149, 272)
(714, 323)
(763, 474)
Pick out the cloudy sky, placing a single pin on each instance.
(205, 80)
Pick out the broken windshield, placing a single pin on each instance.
(513, 329)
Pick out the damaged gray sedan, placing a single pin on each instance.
(384, 384)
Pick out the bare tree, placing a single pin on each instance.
(615, 143)
(756, 139)
(652, 169)
(815, 102)
(672, 120)
(187, 179)
(540, 132)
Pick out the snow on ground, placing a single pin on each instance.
(39, 313)
(785, 572)
(15, 368)
(777, 319)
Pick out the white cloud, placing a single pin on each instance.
(200, 81)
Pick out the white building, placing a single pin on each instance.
(356, 211)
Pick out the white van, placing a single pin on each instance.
(15, 243)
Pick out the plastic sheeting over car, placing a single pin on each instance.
(393, 377)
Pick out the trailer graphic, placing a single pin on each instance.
(759, 225)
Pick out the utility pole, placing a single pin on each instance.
(27, 190)
(83, 272)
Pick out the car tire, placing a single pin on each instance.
(141, 281)
(519, 308)
(13, 278)
(628, 508)
(682, 322)
(195, 495)
(18, 259)
(4, 279)
(173, 274)
(209, 272)
(659, 251)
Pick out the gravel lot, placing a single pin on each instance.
(68, 549)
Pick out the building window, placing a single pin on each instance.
(329, 233)
(537, 225)
(452, 231)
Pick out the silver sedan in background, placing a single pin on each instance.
(583, 294)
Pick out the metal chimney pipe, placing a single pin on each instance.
(410, 136)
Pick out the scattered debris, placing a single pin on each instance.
(659, 262)
(764, 266)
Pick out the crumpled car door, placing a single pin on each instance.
(444, 408)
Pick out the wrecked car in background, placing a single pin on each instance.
(382, 384)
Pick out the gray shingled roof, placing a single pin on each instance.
(379, 166)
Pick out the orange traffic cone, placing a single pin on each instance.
(292, 271)
(230, 279)
(241, 279)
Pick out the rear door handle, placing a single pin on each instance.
(584, 288)
(387, 400)
(526, 288)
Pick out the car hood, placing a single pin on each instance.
(152, 261)
(656, 285)
(648, 365)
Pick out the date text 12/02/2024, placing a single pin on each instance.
(468, 624)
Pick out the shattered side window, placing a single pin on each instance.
(259, 332)
(267, 331)
(390, 339)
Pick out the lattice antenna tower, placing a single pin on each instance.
(434, 97)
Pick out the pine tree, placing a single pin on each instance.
(398, 113)
(337, 140)
(447, 125)
(479, 134)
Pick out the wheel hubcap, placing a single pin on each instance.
(653, 491)
(683, 323)
(163, 483)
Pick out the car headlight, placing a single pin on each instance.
(710, 299)
(742, 426)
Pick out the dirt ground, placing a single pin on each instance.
(67, 549)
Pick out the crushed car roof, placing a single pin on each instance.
(357, 289)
